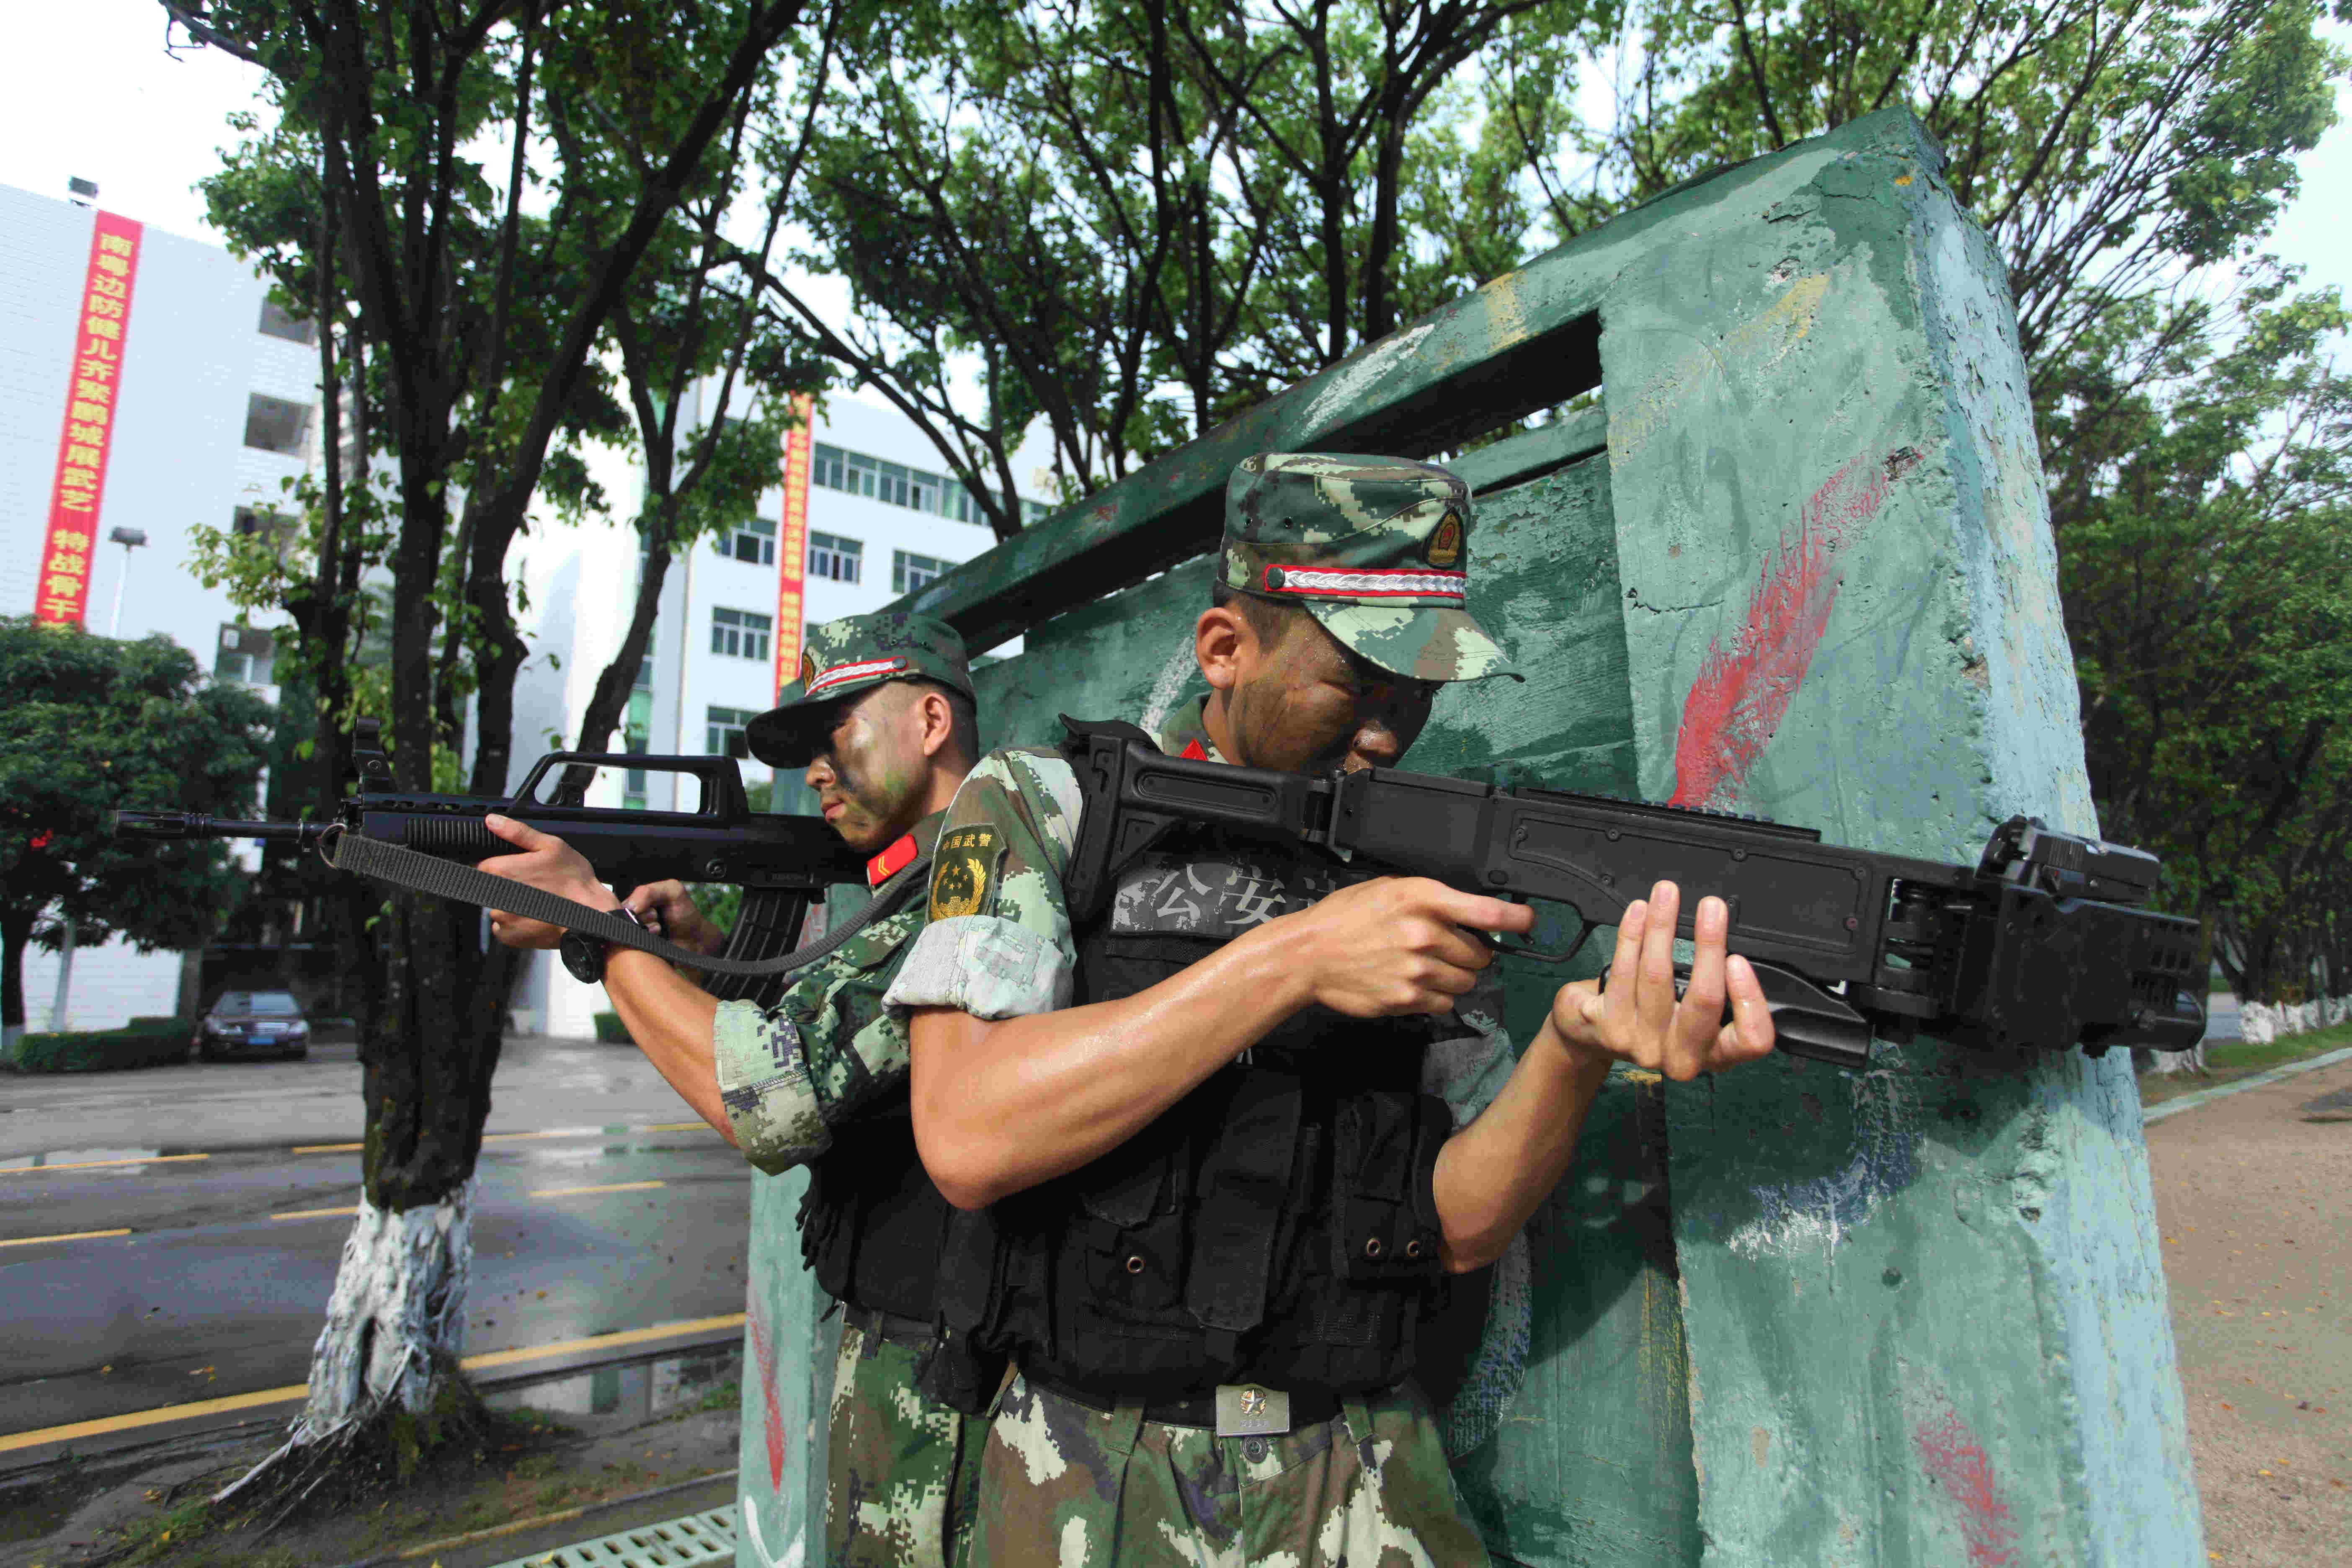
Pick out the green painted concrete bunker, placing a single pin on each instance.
(1795, 559)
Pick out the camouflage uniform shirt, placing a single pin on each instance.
(999, 943)
(791, 1073)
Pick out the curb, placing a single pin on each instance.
(493, 1378)
(2207, 1096)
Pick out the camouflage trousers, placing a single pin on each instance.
(902, 1474)
(1074, 1487)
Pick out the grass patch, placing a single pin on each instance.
(2226, 1061)
(726, 1397)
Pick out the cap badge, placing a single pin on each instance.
(1445, 541)
(808, 667)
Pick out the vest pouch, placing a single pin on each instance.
(1383, 1186)
(828, 1229)
(1133, 1244)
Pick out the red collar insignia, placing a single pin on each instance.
(891, 861)
(1192, 751)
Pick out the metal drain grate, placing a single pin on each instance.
(697, 1538)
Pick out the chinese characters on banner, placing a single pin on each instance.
(61, 591)
(792, 545)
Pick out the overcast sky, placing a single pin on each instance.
(94, 94)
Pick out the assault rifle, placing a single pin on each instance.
(2041, 945)
(430, 842)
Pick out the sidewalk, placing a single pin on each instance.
(2253, 1194)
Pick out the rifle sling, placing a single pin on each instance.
(403, 868)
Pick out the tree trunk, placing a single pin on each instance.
(397, 1316)
(15, 933)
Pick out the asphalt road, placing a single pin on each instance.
(602, 1206)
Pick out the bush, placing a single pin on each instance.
(610, 1028)
(142, 1043)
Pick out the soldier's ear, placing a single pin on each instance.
(1223, 642)
(937, 715)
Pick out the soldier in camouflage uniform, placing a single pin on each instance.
(882, 720)
(1049, 1080)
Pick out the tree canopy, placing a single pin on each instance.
(92, 726)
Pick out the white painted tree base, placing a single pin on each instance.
(2261, 1022)
(397, 1310)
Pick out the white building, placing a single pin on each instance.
(881, 519)
(214, 409)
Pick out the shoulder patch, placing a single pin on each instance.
(963, 865)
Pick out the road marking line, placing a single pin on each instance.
(614, 1187)
(68, 1236)
(314, 1214)
(326, 1148)
(676, 1127)
(92, 1164)
(601, 1341)
(550, 1133)
(136, 1418)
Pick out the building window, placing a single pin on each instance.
(278, 323)
(245, 655)
(831, 555)
(740, 634)
(753, 540)
(910, 571)
(830, 469)
(274, 425)
(914, 488)
(723, 736)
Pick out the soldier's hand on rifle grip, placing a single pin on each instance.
(1634, 1016)
(665, 910)
(548, 864)
(1396, 945)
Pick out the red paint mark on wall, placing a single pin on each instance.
(1735, 707)
(764, 1356)
(1951, 1452)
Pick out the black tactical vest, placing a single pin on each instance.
(1277, 1224)
(872, 1225)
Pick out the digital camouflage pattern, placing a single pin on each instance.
(1376, 549)
(1000, 946)
(789, 1076)
(905, 1471)
(1081, 1488)
(842, 658)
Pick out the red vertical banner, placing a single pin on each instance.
(61, 590)
(792, 543)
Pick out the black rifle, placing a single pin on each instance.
(782, 863)
(2041, 944)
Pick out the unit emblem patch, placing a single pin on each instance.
(1445, 541)
(963, 865)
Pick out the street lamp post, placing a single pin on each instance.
(129, 539)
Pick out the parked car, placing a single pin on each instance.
(254, 1023)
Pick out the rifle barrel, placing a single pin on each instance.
(196, 825)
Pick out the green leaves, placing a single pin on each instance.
(94, 726)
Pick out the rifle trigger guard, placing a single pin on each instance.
(1538, 955)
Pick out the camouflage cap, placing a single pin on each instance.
(1376, 549)
(844, 659)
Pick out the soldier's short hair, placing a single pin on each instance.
(1271, 622)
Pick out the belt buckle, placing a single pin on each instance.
(1249, 1410)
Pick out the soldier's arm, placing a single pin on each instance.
(1011, 1086)
(1493, 1173)
(668, 1015)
